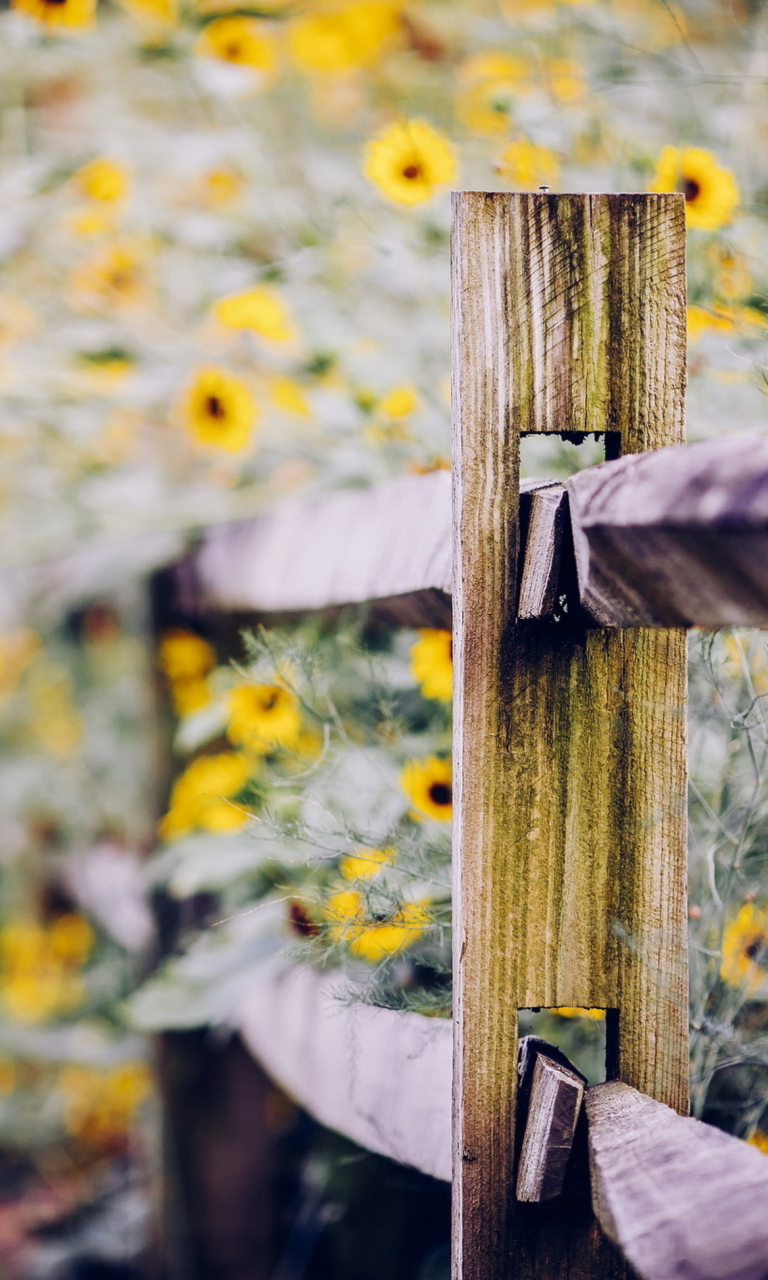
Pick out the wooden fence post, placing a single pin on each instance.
(568, 316)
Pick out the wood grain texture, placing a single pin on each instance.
(569, 748)
(544, 520)
(681, 1198)
(382, 1078)
(675, 538)
(554, 1103)
(387, 542)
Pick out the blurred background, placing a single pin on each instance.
(224, 281)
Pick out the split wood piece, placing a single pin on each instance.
(569, 749)
(676, 537)
(553, 1091)
(385, 543)
(382, 1078)
(679, 1197)
(545, 532)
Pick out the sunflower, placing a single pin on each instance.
(240, 41)
(432, 664)
(576, 1011)
(288, 396)
(62, 15)
(103, 180)
(710, 191)
(263, 716)
(202, 796)
(408, 161)
(346, 36)
(219, 410)
(260, 310)
(745, 948)
(487, 107)
(374, 939)
(115, 277)
(427, 784)
(182, 655)
(365, 863)
(528, 165)
(400, 402)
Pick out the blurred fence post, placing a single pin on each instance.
(570, 742)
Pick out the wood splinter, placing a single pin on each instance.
(552, 1091)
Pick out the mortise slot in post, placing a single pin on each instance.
(546, 455)
(587, 1037)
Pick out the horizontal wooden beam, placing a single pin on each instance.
(674, 537)
(382, 1078)
(680, 1198)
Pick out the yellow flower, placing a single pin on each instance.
(8, 1076)
(288, 395)
(240, 41)
(490, 64)
(221, 187)
(365, 864)
(344, 36)
(152, 13)
(374, 940)
(61, 15)
(528, 165)
(703, 320)
(99, 1106)
(711, 193)
(565, 80)
(432, 663)
(258, 309)
(116, 276)
(408, 161)
(400, 403)
(103, 180)
(428, 785)
(263, 716)
(575, 1011)
(219, 410)
(487, 107)
(745, 949)
(190, 695)
(760, 1140)
(182, 655)
(202, 796)
(71, 938)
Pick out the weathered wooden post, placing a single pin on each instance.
(570, 746)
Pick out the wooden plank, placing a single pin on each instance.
(680, 1197)
(569, 755)
(554, 1096)
(545, 531)
(382, 1078)
(387, 542)
(676, 537)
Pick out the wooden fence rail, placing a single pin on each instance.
(675, 537)
(568, 603)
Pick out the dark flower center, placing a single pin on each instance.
(440, 793)
(233, 52)
(412, 171)
(270, 702)
(691, 188)
(757, 952)
(301, 921)
(215, 407)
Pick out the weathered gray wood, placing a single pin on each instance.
(383, 543)
(675, 537)
(681, 1198)
(382, 1078)
(569, 748)
(553, 1106)
(544, 534)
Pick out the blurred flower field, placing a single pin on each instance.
(223, 280)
